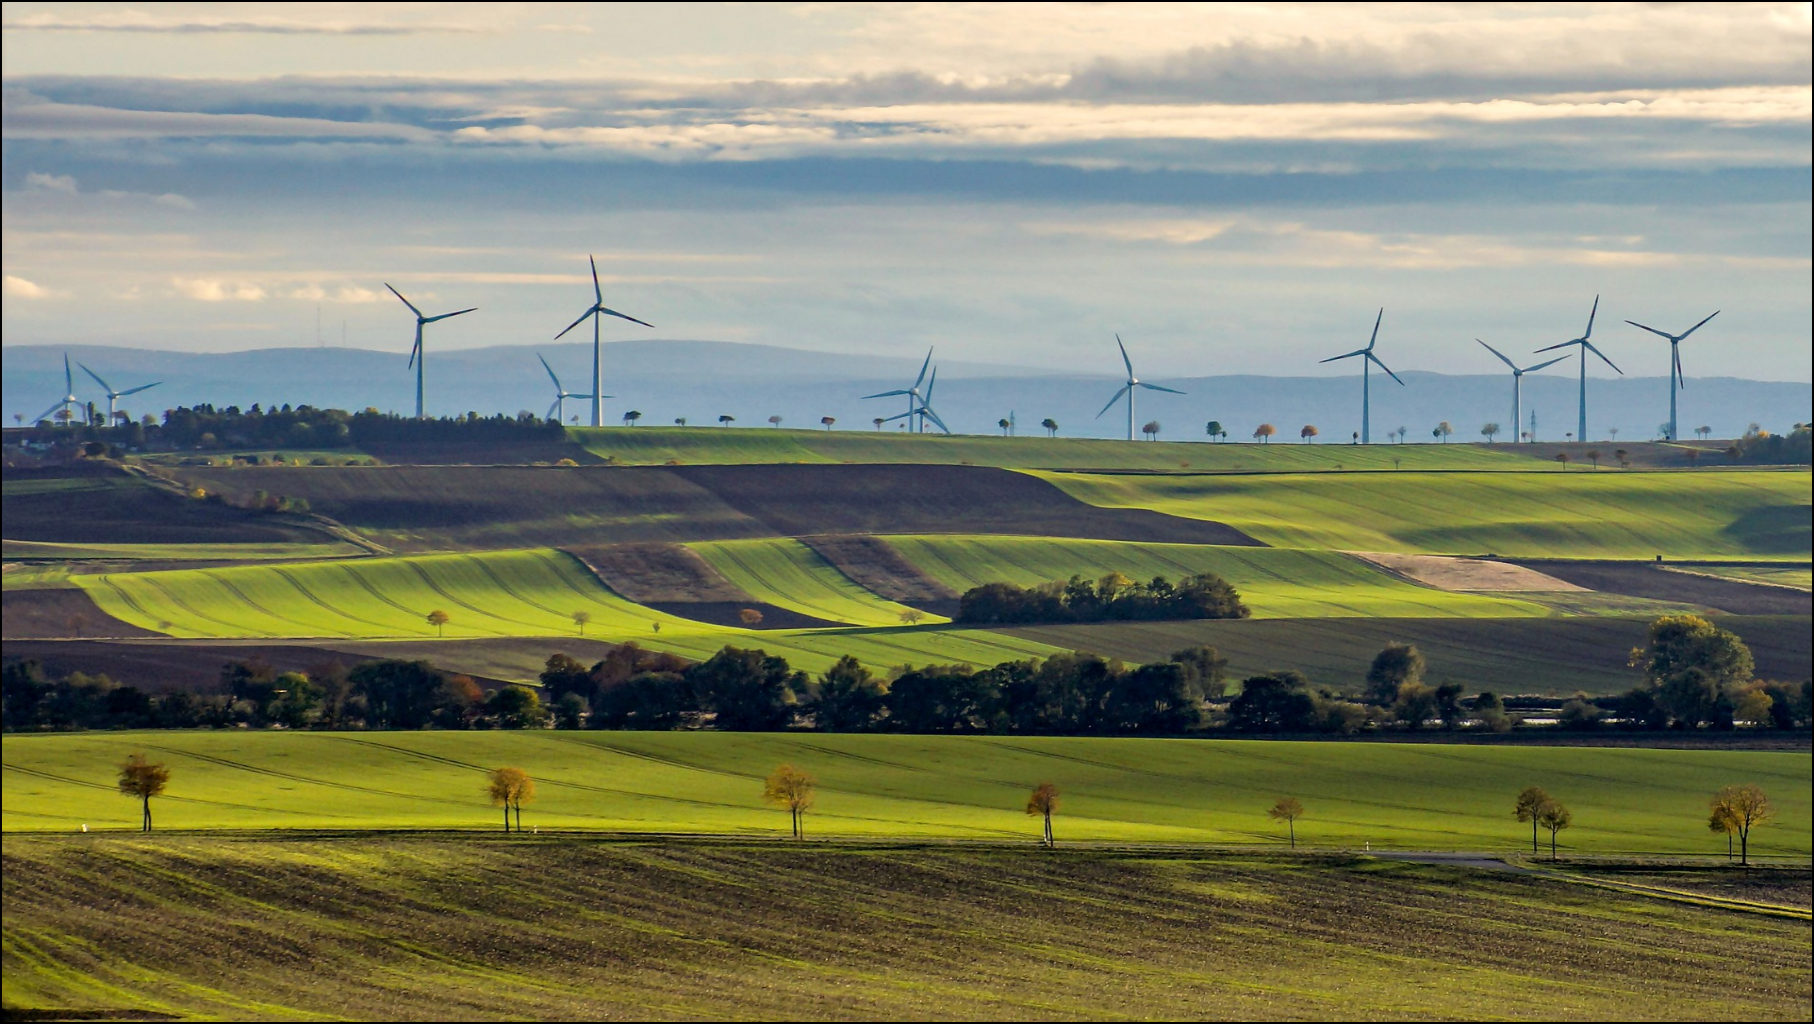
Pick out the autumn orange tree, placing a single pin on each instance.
(1288, 810)
(1042, 803)
(511, 788)
(141, 779)
(792, 789)
(1738, 809)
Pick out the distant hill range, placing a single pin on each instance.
(702, 380)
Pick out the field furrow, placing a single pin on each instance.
(791, 575)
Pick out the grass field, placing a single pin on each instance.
(733, 446)
(788, 574)
(1275, 582)
(1413, 796)
(541, 928)
(1748, 514)
(46, 552)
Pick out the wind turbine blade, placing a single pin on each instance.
(598, 294)
(927, 397)
(576, 323)
(922, 376)
(134, 391)
(1500, 354)
(1680, 381)
(1384, 367)
(443, 316)
(406, 302)
(1376, 320)
(927, 409)
(1345, 355)
(1698, 326)
(69, 379)
(623, 316)
(571, 395)
(1129, 363)
(887, 394)
(416, 349)
(97, 379)
(46, 414)
(1565, 344)
(1539, 366)
(1590, 320)
(556, 404)
(1124, 390)
(1155, 387)
(1590, 347)
(550, 369)
(1653, 330)
(899, 416)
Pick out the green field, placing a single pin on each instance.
(44, 551)
(544, 928)
(788, 574)
(1416, 796)
(650, 446)
(1748, 514)
(1275, 582)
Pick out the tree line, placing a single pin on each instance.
(300, 426)
(1695, 676)
(1114, 597)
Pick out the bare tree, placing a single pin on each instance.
(1043, 803)
(1288, 810)
(439, 620)
(1529, 803)
(1554, 817)
(144, 780)
(1742, 807)
(790, 788)
(580, 619)
(511, 788)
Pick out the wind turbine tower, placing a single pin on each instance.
(1367, 359)
(1127, 389)
(417, 356)
(558, 411)
(598, 373)
(917, 401)
(1586, 347)
(112, 395)
(1518, 386)
(1675, 362)
(68, 399)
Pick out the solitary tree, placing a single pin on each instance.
(1308, 432)
(878, 421)
(1594, 456)
(1288, 810)
(1264, 431)
(1741, 807)
(1051, 426)
(1488, 431)
(1151, 430)
(774, 421)
(680, 421)
(1623, 456)
(438, 619)
(1704, 432)
(1043, 802)
(1442, 431)
(790, 788)
(1214, 429)
(750, 617)
(631, 417)
(1562, 457)
(912, 616)
(827, 421)
(1402, 431)
(580, 619)
(1554, 817)
(1529, 803)
(511, 788)
(139, 778)
(725, 421)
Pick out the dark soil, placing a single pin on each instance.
(116, 508)
(730, 613)
(878, 567)
(521, 453)
(659, 574)
(1644, 579)
(59, 612)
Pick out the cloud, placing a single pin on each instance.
(65, 184)
(51, 183)
(138, 21)
(20, 288)
(206, 289)
(28, 116)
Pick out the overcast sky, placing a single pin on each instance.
(1234, 188)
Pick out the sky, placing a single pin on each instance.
(1233, 189)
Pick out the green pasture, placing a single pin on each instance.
(1416, 796)
(1577, 514)
(1275, 582)
(786, 573)
(714, 445)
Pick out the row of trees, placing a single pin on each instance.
(1113, 597)
(301, 426)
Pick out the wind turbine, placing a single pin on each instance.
(68, 399)
(1675, 360)
(416, 355)
(598, 373)
(112, 395)
(914, 398)
(1586, 347)
(1518, 382)
(559, 409)
(1366, 387)
(1128, 390)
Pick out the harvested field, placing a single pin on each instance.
(1644, 579)
(60, 612)
(730, 613)
(1466, 574)
(172, 665)
(878, 567)
(658, 573)
(491, 453)
(425, 928)
(1799, 577)
(1553, 656)
(104, 505)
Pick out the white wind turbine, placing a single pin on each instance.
(416, 354)
(1586, 347)
(1518, 382)
(558, 411)
(112, 395)
(598, 375)
(1675, 361)
(915, 400)
(1367, 361)
(1128, 389)
(68, 399)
